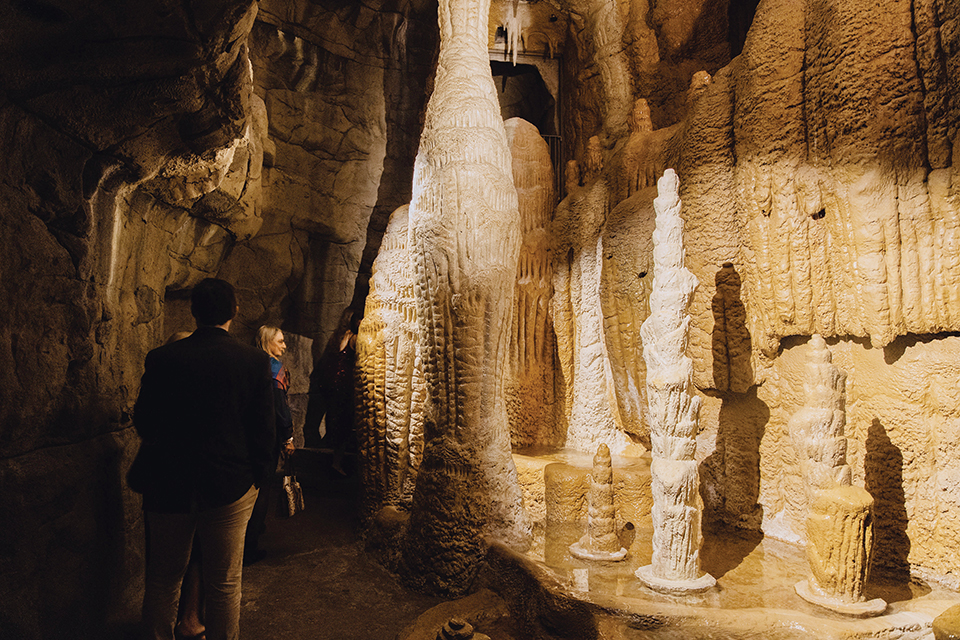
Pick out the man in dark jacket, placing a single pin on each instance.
(205, 410)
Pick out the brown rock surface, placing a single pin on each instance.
(133, 147)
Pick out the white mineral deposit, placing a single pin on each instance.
(674, 409)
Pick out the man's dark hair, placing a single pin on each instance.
(213, 302)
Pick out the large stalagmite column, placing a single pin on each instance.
(465, 236)
(674, 409)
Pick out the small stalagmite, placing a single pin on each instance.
(601, 541)
(840, 521)
(459, 629)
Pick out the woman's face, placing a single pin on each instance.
(277, 346)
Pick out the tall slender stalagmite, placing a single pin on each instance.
(465, 235)
(674, 409)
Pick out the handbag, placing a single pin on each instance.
(293, 494)
(292, 503)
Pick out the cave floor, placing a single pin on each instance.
(316, 582)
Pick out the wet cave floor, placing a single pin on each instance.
(317, 582)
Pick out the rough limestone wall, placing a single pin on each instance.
(101, 132)
(344, 90)
(847, 229)
(849, 222)
(621, 51)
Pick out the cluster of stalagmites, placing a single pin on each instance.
(840, 520)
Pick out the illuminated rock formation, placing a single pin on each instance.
(465, 236)
(674, 409)
(390, 428)
(817, 428)
(840, 538)
(531, 401)
(589, 401)
(601, 541)
(840, 521)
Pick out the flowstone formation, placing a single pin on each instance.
(530, 396)
(840, 522)
(390, 362)
(601, 541)
(674, 409)
(391, 385)
(589, 397)
(465, 236)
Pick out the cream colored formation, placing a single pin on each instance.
(532, 404)
(464, 239)
(601, 541)
(391, 385)
(674, 408)
(840, 520)
(805, 213)
(590, 408)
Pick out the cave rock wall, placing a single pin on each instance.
(819, 187)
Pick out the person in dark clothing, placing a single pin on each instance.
(340, 414)
(270, 339)
(205, 415)
(330, 407)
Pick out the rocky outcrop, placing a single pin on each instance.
(344, 89)
(146, 147)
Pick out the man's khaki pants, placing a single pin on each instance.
(170, 538)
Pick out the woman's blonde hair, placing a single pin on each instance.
(265, 334)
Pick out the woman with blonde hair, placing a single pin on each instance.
(271, 340)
